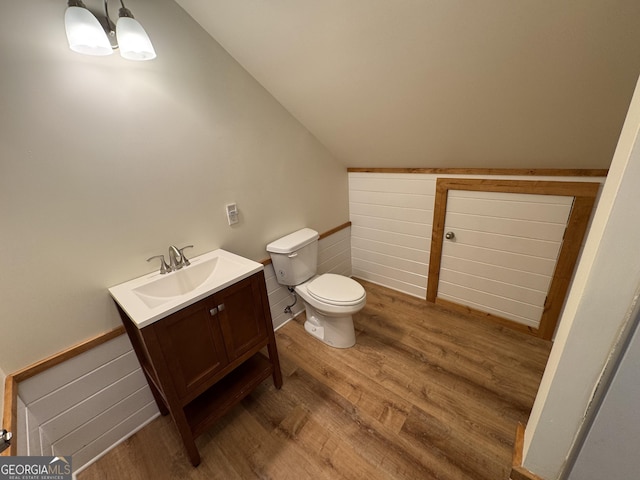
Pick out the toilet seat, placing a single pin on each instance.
(336, 290)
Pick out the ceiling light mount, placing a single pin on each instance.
(90, 35)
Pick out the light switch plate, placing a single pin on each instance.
(232, 213)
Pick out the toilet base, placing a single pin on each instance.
(336, 332)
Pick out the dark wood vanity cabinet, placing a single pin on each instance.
(241, 317)
(205, 358)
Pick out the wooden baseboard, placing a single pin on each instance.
(518, 472)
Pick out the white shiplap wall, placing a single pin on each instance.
(89, 403)
(392, 217)
(86, 404)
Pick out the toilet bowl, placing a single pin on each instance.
(330, 300)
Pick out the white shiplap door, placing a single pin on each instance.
(502, 253)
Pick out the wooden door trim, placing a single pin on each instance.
(584, 194)
(529, 172)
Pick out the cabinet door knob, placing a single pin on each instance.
(221, 307)
(213, 311)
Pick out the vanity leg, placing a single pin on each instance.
(164, 411)
(275, 361)
(187, 437)
(194, 455)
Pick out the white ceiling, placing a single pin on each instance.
(448, 83)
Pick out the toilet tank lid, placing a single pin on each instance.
(294, 241)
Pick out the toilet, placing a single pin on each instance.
(330, 300)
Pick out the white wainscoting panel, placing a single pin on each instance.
(85, 404)
(391, 217)
(334, 253)
(279, 298)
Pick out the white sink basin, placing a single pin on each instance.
(154, 296)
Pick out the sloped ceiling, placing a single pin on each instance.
(448, 83)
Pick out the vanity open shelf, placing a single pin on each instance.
(205, 357)
(209, 407)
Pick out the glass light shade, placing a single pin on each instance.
(133, 41)
(84, 33)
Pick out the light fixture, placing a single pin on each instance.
(88, 36)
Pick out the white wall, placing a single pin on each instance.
(610, 448)
(105, 162)
(598, 306)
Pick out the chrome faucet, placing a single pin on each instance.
(164, 268)
(185, 260)
(177, 260)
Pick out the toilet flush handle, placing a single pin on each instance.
(292, 255)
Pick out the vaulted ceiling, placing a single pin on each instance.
(442, 83)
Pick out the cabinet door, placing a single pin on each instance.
(500, 251)
(192, 345)
(242, 317)
(506, 249)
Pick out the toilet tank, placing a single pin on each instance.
(295, 256)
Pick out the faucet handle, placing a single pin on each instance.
(164, 268)
(185, 260)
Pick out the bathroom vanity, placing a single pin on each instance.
(205, 355)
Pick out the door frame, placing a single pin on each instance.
(584, 194)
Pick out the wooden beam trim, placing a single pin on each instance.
(539, 172)
(267, 261)
(335, 230)
(565, 266)
(437, 234)
(57, 358)
(536, 187)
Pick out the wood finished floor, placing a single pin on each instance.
(425, 394)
